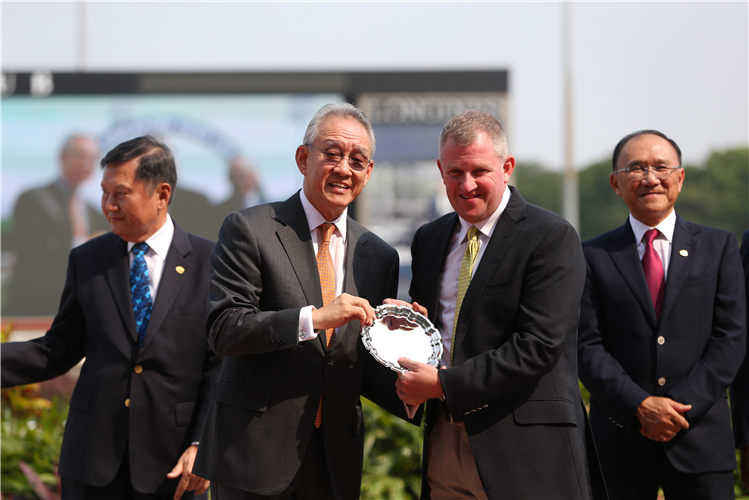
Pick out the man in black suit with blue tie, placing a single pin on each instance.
(134, 305)
(662, 335)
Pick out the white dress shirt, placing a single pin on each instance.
(451, 271)
(158, 247)
(337, 253)
(661, 243)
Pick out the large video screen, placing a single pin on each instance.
(232, 151)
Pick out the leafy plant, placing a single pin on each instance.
(392, 456)
(31, 432)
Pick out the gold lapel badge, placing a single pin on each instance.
(683, 253)
(181, 269)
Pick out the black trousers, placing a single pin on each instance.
(676, 484)
(311, 482)
(121, 488)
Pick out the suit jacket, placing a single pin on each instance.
(40, 237)
(691, 355)
(514, 380)
(263, 410)
(740, 387)
(150, 401)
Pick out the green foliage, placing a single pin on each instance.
(585, 395)
(30, 431)
(33, 436)
(738, 486)
(717, 194)
(392, 456)
(601, 210)
(538, 186)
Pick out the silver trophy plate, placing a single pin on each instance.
(399, 331)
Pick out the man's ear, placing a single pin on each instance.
(508, 168)
(164, 191)
(614, 180)
(442, 172)
(301, 156)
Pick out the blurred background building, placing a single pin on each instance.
(231, 86)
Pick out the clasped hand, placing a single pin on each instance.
(661, 418)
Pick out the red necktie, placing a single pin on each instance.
(327, 283)
(653, 267)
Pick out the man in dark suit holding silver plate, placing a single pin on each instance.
(291, 284)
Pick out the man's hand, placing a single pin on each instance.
(415, 306)
(744, 465)
(343, 309)
(418, 384)
(189, 481)
(661, 418)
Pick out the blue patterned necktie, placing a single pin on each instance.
(140, 291)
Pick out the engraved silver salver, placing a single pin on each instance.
(399, 331)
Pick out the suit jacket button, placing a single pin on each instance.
(661, 340)
(138, 369)
(662, 381)
(127, 402)
(283, 341)
(266, 343)
(328, 361)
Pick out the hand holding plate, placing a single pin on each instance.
(415, 306)
(420, 383)
(343, 309)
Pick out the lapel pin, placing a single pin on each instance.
(683, 253)
(181, 269)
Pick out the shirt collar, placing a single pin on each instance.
(665, 227)
(161, 240)
(486, 226)
(314, 218)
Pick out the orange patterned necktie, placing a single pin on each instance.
(327, 282)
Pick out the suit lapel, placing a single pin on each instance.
(679, 266)
(622, 249)
(296, 240)
(117, 268)
(437, 249)
(354, 281)
(504, 234)
(171, 281)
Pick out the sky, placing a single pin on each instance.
(680, 67)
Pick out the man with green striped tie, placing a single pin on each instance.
(502, 280)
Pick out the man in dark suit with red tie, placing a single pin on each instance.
(134, 306)
(662, 335)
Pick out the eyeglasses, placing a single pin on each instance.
(639, 173)
(356, 161)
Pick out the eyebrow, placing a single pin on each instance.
(336, 144)
(117, 186)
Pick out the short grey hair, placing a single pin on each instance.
(464, 128)
(344, 110)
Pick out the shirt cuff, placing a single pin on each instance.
(306, 332)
